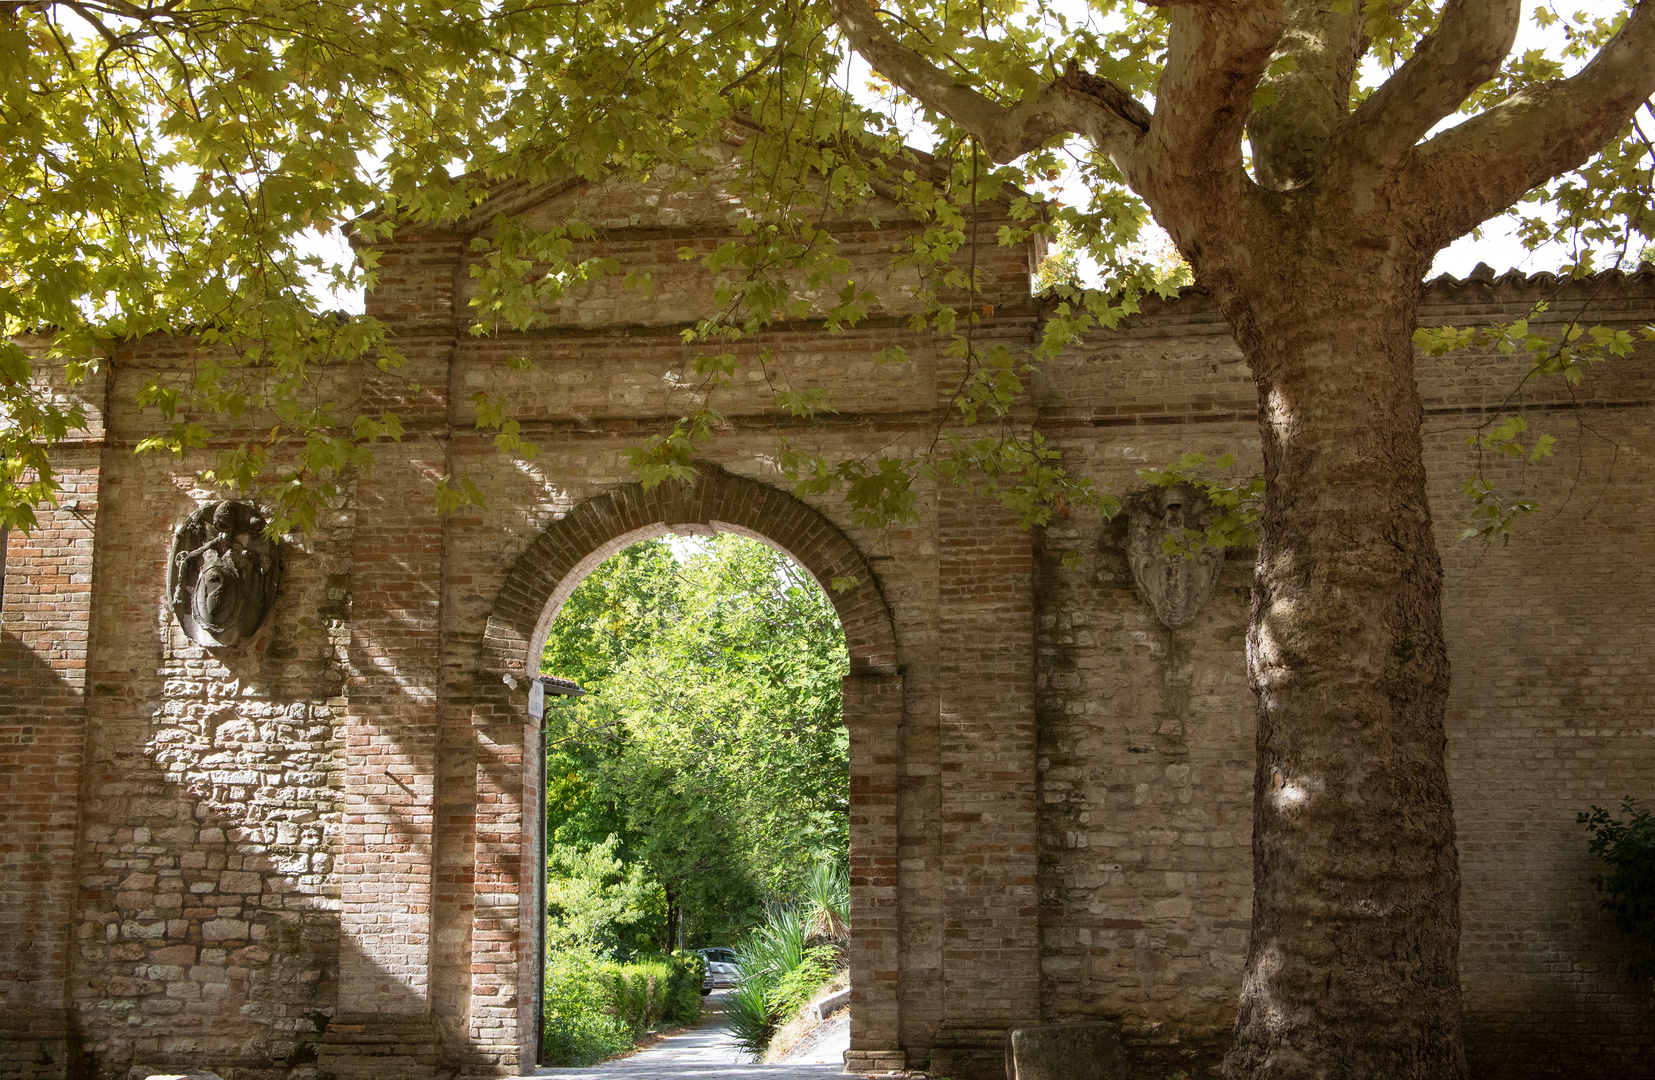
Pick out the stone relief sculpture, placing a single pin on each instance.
(1175, 585)
(224, 572)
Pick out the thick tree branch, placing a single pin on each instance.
(1216, 54)
(1470, 42)
(1290, 133)
(1075, 103)
(1482, 167)
(96, 23)
(1189, 167)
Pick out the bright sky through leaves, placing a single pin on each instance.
(1498, 245)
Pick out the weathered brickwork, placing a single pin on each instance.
(1146, 772)
(1147, 732)
(315, 854)
(206, 925)
(987, 858)
(43, 643)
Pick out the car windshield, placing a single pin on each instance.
(719, 956)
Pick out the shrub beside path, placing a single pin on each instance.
(705, 1052)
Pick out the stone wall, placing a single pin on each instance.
(206, 927)
(308, 855)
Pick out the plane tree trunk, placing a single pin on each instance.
(1353, 963)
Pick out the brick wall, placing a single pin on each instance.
(986, 813)
(1146, 777)
(1553, 701)
(45, 625)
(307, 856)
(1146, 733)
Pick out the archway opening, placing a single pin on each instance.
(697, 795)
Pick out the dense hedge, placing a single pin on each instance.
(596, 1008)
(647, 993)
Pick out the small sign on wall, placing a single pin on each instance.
(542, 685)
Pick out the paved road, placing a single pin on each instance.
(703, 1053)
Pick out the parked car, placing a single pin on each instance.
(722, 969)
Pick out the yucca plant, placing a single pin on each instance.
(827, 899)
(768, 953)
(752, 1020)
(774, 947)
(779, 972)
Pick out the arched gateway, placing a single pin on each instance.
(568, 549)
(473, 1007)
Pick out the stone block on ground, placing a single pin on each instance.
(1089, 1051)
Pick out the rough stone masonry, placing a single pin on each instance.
(307, 855)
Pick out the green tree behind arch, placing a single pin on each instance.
(712, 747)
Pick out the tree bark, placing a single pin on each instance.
(1353, 964)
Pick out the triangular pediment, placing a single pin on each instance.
(656, 233)
(710, 196)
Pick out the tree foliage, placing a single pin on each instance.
(171, 164)
(598, 904)
(710, 753)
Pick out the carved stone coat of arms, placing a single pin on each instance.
(1175, 584)
(224, 572)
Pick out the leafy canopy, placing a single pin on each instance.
(171, 167)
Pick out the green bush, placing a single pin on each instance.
(683, 1001)
(1629, 887)
(579, 1029)
(646, 993)
(596, 1008)
(796, 988)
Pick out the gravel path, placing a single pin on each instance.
(701, 1053)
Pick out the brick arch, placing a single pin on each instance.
(548, 571)
(874, 705)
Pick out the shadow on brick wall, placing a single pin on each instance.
(42, 731)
